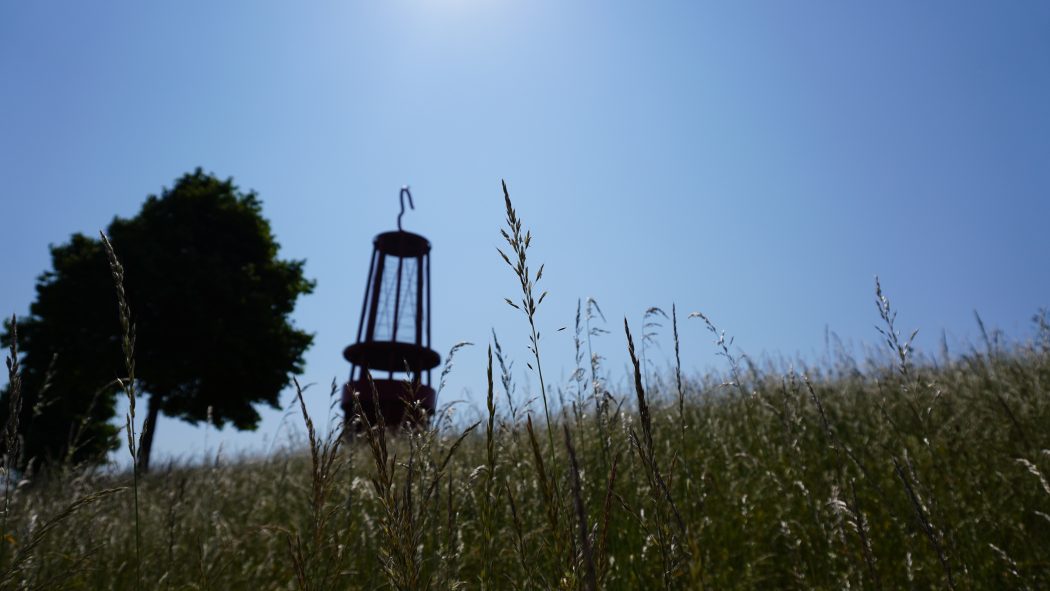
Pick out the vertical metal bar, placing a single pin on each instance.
(419, 300)
(418, 378)
(377, 284)
(364, 304)
(397, 299)
(427, 257)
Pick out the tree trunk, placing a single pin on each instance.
(148, 429)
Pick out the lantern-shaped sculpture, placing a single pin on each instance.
(392, 358)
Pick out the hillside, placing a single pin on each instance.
(861, 474)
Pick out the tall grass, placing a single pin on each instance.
(897, 471)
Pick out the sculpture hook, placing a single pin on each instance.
(404, 191)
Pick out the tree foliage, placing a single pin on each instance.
(210, 300)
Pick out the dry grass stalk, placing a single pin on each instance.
(600, 555)
(11, 457)
(670, 547)
(519, 244)
(127, 331)
(590, 578)
(921, 514)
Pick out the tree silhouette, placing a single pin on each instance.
(210, 302)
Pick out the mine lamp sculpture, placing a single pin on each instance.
(392, 358)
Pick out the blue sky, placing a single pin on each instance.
(757, 161)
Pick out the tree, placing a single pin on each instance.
(210, 302)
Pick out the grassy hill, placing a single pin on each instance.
(905, 475)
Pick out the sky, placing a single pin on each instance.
(760, 162)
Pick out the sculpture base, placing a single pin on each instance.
(398, 402)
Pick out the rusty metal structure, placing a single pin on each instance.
(392, 358)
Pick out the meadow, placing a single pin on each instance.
(895, 471)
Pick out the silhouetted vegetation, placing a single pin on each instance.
(209, 337)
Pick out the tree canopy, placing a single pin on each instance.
(210, 300)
